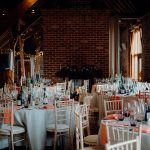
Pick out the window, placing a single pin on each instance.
(136, 52)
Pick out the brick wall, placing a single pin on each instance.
(146, 48)
(75, 37)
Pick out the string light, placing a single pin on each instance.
(33, 11)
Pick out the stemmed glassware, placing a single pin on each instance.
(140, 111)
(126, 110)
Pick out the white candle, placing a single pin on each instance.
(21, 81)
(128, 83)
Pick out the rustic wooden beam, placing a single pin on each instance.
(130, 6)
(18, 12)
(120, 6)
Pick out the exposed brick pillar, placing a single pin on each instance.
(146, 48)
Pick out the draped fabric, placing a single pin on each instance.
(38, 62)
(22, 63)
(11, 60)
(136, 50)
(136, 44)
(32, 65)
(21, 43)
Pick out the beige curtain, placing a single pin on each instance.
(136, 49)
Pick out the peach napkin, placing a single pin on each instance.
(122, 123)
(103, 135)
(111, 117)
(48, 106)
(18, 107)
(7, 116)
(114, 98)
(145, 129)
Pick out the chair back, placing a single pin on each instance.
(83, 111)
(63, 112)
(79, 131)
(119, 133)
(145, 95)
(61, 88)
(133, 144)
(88, 101)
(6, 112)
(113, 106)
(14, 134)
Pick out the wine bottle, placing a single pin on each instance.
(44, 97)
(19, 98)
(22, 96)
(29, 98)
(122, 89)
(146, 111)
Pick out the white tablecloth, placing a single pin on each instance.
(35, 122)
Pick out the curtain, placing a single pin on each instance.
(136, 49)
(136, 45)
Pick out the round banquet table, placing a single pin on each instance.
(35, 121)
(98, 101)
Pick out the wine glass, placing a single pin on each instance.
(133, 120)
(140, 115)
(126, 110)
(140, 111)
(14, 94)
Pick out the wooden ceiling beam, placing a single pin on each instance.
(121, 6)
(125, 8)
(18, 12)
(115, 6)
(130, 6)
(110, 5)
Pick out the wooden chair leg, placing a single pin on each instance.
(55, 141)
(26, 141)
(9, 143)
(12, 141)
(71, 140)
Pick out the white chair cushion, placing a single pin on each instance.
(91, 139)
(60, 127)
(6, 130)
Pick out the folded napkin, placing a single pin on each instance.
(18, 107)
(122, 123)
(112, 117)
(48, 106)
(103, 134)
(7, 116)
(139, 95)
(145, 129)
(114, 98)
